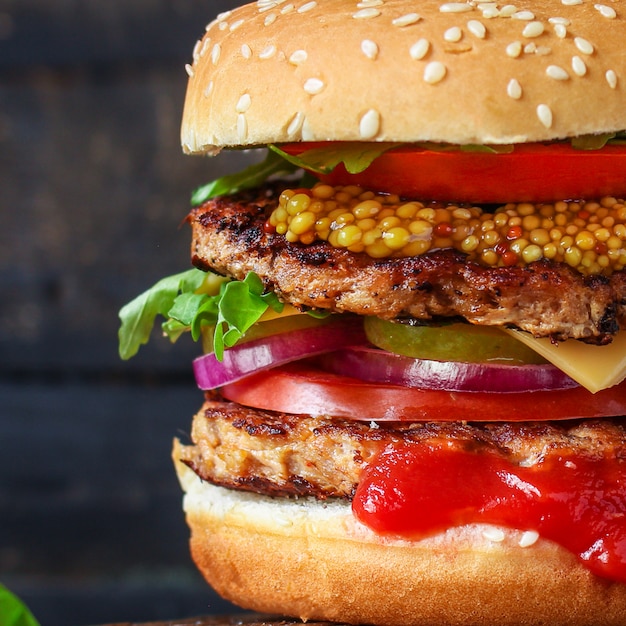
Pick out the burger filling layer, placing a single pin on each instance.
(563, 481)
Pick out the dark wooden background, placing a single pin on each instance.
(93, 190)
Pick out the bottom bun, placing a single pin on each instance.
(313, 560)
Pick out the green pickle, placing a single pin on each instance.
(260, 330)
(452, 342)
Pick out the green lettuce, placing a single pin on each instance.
(191, 301)
(252, 176)
(355, 155)
(13, 612)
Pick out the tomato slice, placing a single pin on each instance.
(532, 172)
(302, 388)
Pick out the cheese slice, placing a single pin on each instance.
(593, 367)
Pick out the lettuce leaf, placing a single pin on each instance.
(191, 301)
(13, 612)
(355, 155)
(252, 176)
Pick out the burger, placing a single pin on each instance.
(410, 308)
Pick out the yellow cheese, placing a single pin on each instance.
(594, 367)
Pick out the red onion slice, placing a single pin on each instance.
(373, 365)
(253, 356)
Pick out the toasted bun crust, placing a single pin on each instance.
(281, 71)
(313, 560)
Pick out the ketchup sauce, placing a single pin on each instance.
(414, 491)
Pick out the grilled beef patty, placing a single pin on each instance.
(543, 298)
(296, 455)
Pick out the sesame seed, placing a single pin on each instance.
(189, 70)
(222, 25)
(514, 89)
(295, 124)
(288, 8)
(419, 49)
(196, 50)
(269, 19)
(530, 48)
(559, 20)
(364, 4)
(571, 3)
(578, 66)
(243, 104)
(611, 79)
(313, 86)
(583, 45)
(556, 72)
(268, 6)
(307, 7)
(544, 113)
(223, 16)
(215, 53)
(246, 51)
(477, 29)
(533, 29)
(494, 534)
(455, 7)
(369, 48)
(491, 12)
(235, 25)
(528, 538)
(508, 10)
(307, 133)
(208, 90)
(406, 20)
(205, 46)
(268, 52)
(369, 125)
(365, 14)
(514, 49)
(543, 50)
(242, 127)
(434, 72)
(560, 30)
(526, 16)
(606, 11)
(298, 56)
(453, 34)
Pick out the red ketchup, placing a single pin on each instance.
(417, 490)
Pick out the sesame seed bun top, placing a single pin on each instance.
(396, 70)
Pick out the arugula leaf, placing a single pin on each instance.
(191, 301)
(355, 155)
(137, 317)
(13, 612)
(250, 177)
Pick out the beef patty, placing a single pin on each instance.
(543, 298)
(295, 455)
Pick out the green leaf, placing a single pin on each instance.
(241, 305)
(13, 612)
(138, 316)
(192, 301)
(252, 176)
(355, 155)
(592, 142)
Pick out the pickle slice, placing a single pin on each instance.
(271, 323)
(452, 342)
